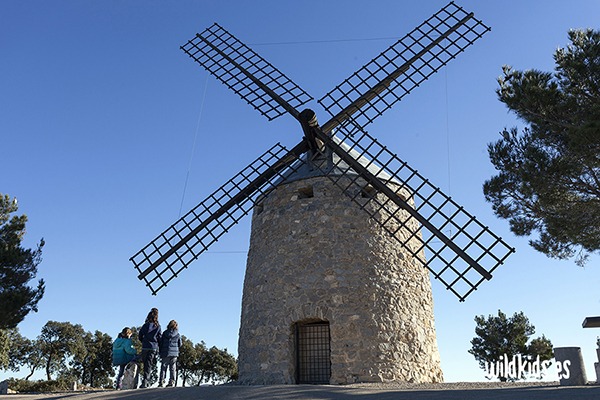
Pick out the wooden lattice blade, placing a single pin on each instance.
(393, 74)
(249, 75)
(173, 250)
(459, 250)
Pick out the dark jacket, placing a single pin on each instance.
(122, 351)
(150, 336)
(170, 343)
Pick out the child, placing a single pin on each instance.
(122, 352)
(149, 335)
(169, 351)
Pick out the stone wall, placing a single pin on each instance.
(316, 256)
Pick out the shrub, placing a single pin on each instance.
(42, 386)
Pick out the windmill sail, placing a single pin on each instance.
(393, 74)
(249, 75)
(460, 251)
(270, 92)
(174, 249)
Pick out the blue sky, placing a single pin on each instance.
(100, 110)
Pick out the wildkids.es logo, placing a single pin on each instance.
(524, 367)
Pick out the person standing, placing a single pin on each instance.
(122, 352)
(149, 335)
(169, 351)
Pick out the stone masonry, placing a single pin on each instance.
(316, 256)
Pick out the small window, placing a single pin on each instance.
(306, 192)
(367, 192)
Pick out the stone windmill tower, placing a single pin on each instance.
(344, 233)
(330, 295)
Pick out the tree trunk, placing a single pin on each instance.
(31, 373)
(48, 363)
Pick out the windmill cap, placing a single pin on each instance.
(335, 166)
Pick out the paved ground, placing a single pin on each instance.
(351, 392)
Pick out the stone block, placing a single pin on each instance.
(571, 360)
(4, 389)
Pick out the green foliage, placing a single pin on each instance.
(26, 386)
(28, 353)
(93, 367)
(201, 366)
(59, 341)
(4, 349)
(70, 354)
(186, 362)
(67, 352)
(549, 174)
(18, 266)
(12, 344)
(502, 336)
(197, 364)
(220, 366)
(137, 344)
(541, 346)
(18, 351)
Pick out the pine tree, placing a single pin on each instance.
(18, 266)
(549, 174)
(502, 336)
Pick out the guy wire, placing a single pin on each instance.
(187, 175)
(447, 131)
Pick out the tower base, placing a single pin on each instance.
(330, 296)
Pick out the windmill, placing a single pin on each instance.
(344, 233)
